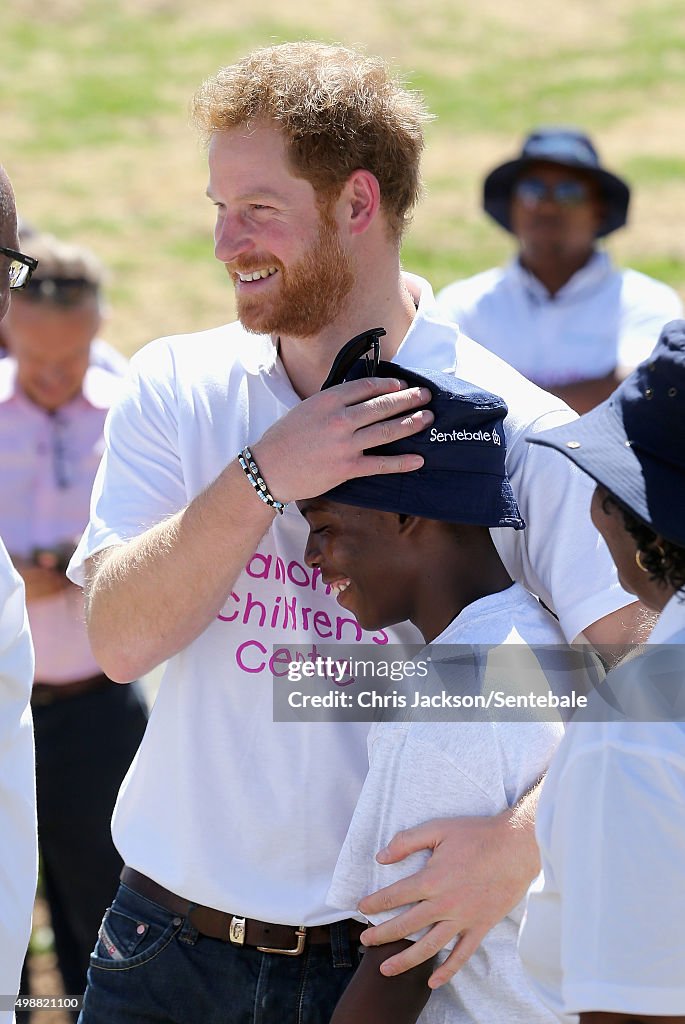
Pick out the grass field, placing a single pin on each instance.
(95, 135)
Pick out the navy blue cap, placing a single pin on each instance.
(463, 479)
(567, 147)
(634, 443)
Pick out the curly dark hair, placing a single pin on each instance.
(664, 561)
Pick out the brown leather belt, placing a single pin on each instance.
(48, 693)
(286, 939)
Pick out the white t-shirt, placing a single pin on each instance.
(222, 805)
(18, 842)
(602, 318)
(605, 920)
(422, 770)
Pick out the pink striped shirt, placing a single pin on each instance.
(47, 466)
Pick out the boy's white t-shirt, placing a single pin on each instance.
(424, 770)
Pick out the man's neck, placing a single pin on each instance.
(388, 305)
(556, 272)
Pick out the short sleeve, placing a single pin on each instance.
(648, 305)
(139, 482)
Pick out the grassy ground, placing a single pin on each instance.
(93, 106)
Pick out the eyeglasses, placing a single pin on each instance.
(21, 267)
(60, 291)
(532, 191)
(360, 346)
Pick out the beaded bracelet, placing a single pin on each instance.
(251, 471)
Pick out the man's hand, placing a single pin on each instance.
(321, 442)
(479, 869)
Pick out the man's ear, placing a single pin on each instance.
(363, 195)
(408, 525)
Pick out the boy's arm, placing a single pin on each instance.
(372, 998)
(478, 870)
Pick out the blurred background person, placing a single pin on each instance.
(58, 259)
(18, 849)
(53, 403)
(560, 312)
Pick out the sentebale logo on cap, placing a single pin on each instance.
(440, 436)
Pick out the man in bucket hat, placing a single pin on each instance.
(560, 311)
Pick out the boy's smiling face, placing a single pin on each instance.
(360, 553)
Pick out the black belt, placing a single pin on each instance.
(287, 939)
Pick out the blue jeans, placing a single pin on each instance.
(149, 965)
(84, 745)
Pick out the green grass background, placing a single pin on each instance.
(95, 135)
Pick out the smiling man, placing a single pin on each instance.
(231, 824)
(560, 311)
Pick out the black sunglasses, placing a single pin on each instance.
(21, 267)
(532, 191)
(360, 346)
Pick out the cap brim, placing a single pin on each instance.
(498, 186)
(482, 500)
(598, 444)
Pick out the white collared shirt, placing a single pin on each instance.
(602, 318)
(48, 462)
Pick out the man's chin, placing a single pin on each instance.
(289, 326)
(254, 320)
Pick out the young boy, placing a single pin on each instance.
(418, 547)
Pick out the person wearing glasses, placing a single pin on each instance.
(101, 352)
(230, 824)
(53, 404)
(560, 311)
(19, 845)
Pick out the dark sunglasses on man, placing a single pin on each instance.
(21, 267)
(533, 191)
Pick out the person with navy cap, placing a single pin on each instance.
(418, 547)
(604, 936)
(560, 312)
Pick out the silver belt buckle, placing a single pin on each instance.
(236, 931)
(301, 933)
